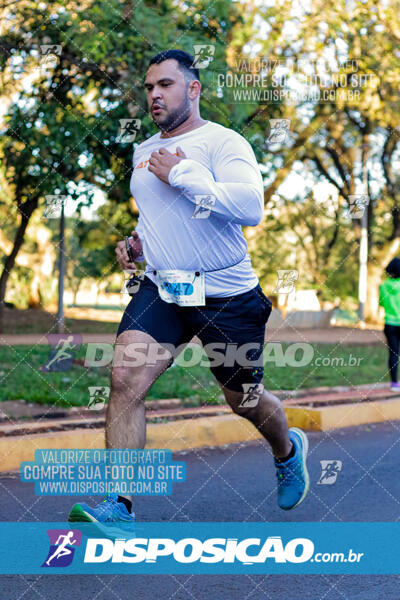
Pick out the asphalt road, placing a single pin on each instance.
(237, 483)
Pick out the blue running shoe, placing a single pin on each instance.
(110, 516)
(293, 478)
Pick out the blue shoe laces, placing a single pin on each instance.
(287, 474)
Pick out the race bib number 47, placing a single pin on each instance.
(185, 288)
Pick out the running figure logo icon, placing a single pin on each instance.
(330, 471)
(203, 55)
(204, 202)
(54, 204)
(50, 54)
(279, 131)
(357, 205)
(252, 393)
(132, 281)
(128, 130)
(62, 349)
(62, 547)
(286, 280)
(98, 396)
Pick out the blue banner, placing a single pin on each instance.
(200, 548)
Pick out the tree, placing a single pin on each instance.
(311, 235)
(345, 139)
(63, 128)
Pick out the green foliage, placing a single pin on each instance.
(61, 132)
(348, 140)
(313, 237)
(20, 281)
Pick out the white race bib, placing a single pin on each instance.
(185, 288)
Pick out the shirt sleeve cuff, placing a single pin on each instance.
(174, 172)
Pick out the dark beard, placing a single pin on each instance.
(173, 120)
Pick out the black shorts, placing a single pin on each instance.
(235, 321)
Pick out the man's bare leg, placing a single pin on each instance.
(268, 417)
(126, 415)
(126, 420)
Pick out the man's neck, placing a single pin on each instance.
(188, 125)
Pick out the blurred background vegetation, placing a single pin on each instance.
(60, 125)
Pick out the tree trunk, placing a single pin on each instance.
(375, 274)
(34, 293)
(26, 211)
(75, 290)
(97, 293)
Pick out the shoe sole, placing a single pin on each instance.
(78, 515)
(304, 452)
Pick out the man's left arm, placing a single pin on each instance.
(235, 182)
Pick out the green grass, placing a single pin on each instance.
(21, 378)
(371, 367)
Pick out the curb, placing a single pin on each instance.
(36, 411)
(343, 415)
(176, 436)
(201, 432)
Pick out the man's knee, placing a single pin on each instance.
(245, 404)
(129, 384)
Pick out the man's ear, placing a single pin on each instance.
(194, 89)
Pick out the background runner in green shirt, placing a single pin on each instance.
(389, 298)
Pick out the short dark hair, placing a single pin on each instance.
(393, 268)
(185, 62)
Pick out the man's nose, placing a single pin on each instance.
(156, 94)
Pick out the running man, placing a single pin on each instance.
(199, 278)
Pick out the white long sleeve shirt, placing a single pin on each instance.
(220, 164)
